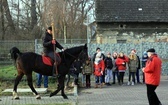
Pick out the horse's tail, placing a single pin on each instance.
(15, 53)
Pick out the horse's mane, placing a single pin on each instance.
(15, 52)
(72, 50)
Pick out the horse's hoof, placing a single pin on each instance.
(51, 94)
(38, 97)
(16, 98)
(65, 97)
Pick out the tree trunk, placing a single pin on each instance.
(33, 14)
(8, 16)
(2, 22)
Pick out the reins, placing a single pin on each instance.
(72, 55)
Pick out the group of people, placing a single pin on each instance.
(117, 64)
(105, 67)
(113, 66)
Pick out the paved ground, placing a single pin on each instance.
(108, 95)
(121, 95)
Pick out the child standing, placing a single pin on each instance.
(108, 71)
(98, 69)
(87, 71)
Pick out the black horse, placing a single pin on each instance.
(28, 62)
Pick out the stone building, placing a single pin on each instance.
(124, 21)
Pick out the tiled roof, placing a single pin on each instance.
(132, 10)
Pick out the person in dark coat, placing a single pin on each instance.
(144, 60)
(108, 68)
(115, 69)
(78, 67)
(48, 45)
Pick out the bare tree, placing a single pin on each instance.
(32, 17)
(33, 14)
(2, 21)
(69, 16)
(78, 12)
(8, 15)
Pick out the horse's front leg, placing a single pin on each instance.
(56, 91)
(30, 83)
(62, 88)
(17, 80)
(61, 80)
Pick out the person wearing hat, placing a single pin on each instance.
(48, 45)
(152, 72)
(98, 50)
(99, 67)
(103, 57)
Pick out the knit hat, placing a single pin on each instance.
(151, 50)
(144, 53)
(97, 48)
(108, 53)
(133, 50)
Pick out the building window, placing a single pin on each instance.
(121, 41)
(122, 26)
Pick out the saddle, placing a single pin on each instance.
(48, 61)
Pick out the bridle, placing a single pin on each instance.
(73, 55)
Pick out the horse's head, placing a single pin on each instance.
(83, 56)
(69, 55)
(14, 52)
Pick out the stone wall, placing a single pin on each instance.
(132, 32)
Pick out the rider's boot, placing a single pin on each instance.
(54, 70)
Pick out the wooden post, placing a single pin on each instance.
(53, 30)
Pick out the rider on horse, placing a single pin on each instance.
(49, 43)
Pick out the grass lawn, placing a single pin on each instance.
(51, 104)
(8, 74)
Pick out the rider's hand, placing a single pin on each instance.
(102, 72)
(53, 41)
(62, 49)
(143, 69)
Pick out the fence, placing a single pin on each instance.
(160, 47)
(5, 46)
(36, 46)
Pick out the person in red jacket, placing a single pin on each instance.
(121, 65)
(152, 72)
(99, 67)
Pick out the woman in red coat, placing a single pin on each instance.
(99, 67)
(121, 65)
